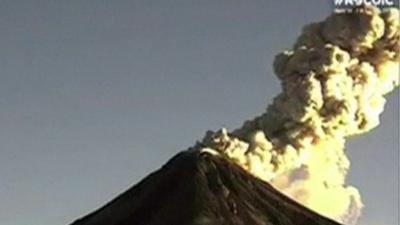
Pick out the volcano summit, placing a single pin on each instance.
(198, 188)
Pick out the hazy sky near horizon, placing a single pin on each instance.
(94, 95)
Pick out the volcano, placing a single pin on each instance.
(200, 188)
(333, 81)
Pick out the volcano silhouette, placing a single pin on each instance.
(199, 188)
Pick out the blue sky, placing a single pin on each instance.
(94, 95)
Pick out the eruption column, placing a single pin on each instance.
(333, 82)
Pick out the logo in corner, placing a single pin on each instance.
(349, 4)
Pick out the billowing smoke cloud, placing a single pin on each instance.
(333, 83)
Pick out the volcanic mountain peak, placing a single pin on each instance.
(199, 188)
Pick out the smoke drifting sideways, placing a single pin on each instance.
(333, 82)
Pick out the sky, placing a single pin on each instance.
(94, 95)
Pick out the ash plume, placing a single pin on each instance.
(333, 84)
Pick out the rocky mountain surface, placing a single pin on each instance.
(199, 188)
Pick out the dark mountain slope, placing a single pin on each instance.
(196, 188)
